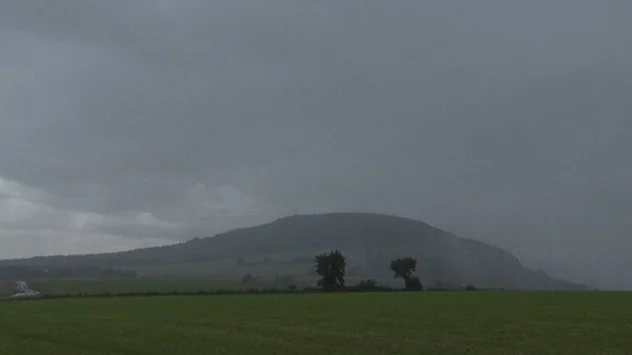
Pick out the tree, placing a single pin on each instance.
(332, 268)
(404, 268)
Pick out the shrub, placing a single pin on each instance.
(366, 285)
(414, 284)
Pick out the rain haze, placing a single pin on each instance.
(135, 123)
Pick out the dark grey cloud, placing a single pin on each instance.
(503, 121)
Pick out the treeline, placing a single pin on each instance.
(9, 273)
(332, 269)
(362, 287)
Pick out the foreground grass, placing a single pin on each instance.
(369, 323)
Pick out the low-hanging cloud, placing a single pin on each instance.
(136, 123)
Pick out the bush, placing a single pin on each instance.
(369, 285)
(366, 285)
(414, 284)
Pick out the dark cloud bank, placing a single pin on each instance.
(131, 123)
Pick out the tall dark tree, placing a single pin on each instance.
(331, 267)
(404, 268)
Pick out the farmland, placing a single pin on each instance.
(361, 323)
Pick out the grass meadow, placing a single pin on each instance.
(340, 323)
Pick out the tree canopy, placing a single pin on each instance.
(331, 267)
(404, 267)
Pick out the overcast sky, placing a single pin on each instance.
(132, 123)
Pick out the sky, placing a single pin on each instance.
(136, 123)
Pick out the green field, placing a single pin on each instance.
(363, 323)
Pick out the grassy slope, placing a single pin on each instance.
(433, 323)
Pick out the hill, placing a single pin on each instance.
(286, 247)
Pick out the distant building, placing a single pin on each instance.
(21, 289)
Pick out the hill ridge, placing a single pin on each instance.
(287, 245)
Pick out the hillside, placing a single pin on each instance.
(287, 246)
